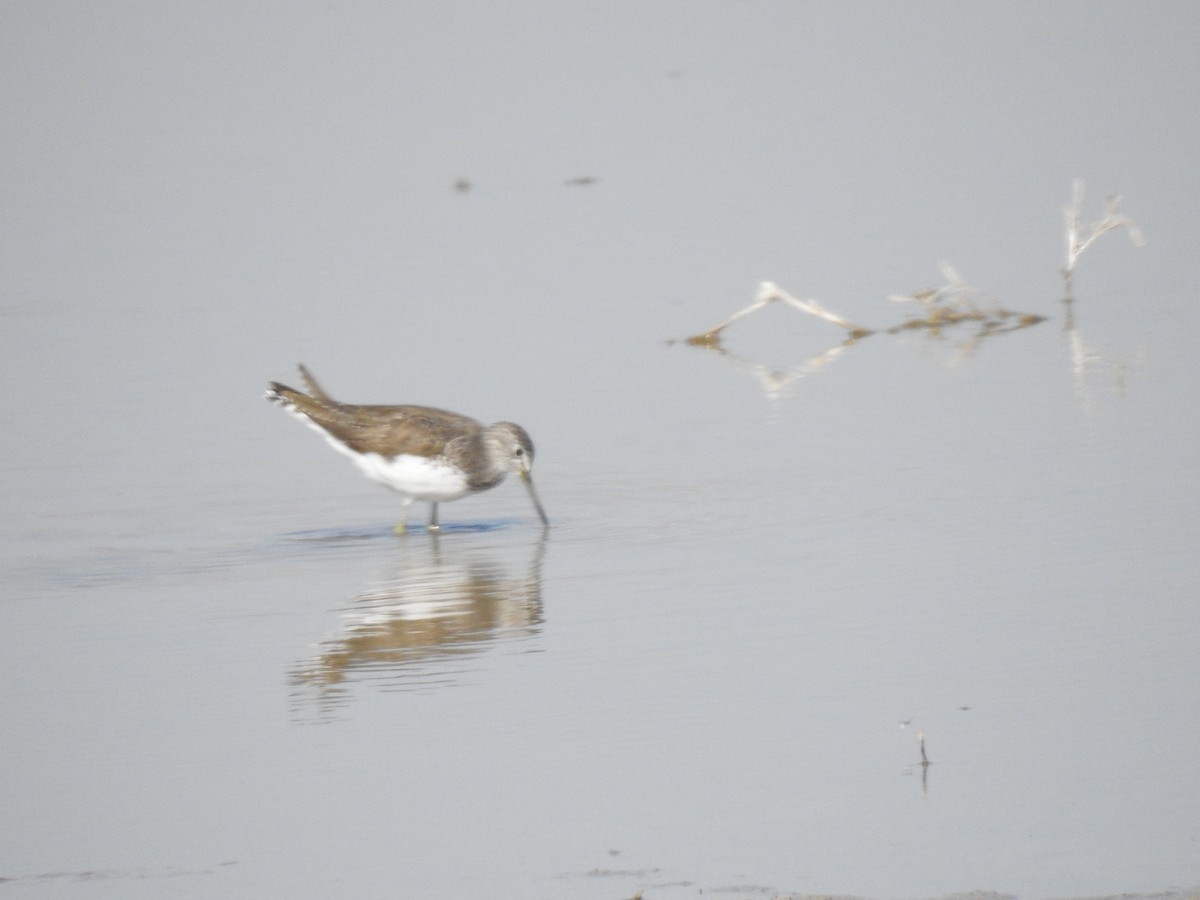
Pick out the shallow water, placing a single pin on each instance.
(774, 566)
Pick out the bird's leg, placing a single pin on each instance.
(402, 525)
(434, 527)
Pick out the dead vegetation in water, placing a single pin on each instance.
(956, 307)
(938, 312)
(1090, 362)
(768, 293)
(952, 304)
(960, 311)
(955, 303)
(1080, 237)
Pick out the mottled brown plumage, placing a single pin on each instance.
(422, 452)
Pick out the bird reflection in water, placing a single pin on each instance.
(417, 629)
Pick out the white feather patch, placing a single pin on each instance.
(417, 477)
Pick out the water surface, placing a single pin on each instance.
(773, 564)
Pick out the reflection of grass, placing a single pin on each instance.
(775, 380)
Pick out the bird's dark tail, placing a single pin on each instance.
(315, 408)
(297, 401)
(282, 395)
(314, 389)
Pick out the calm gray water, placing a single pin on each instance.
(774, 564)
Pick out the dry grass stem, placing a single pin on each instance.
(768, 293)
(1079, 237)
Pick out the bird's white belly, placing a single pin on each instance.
(415, 476)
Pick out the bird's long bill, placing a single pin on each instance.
(525, 477)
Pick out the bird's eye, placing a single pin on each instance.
(520, 451)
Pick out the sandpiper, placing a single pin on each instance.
(421, 452)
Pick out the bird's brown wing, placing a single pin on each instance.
(391, 430)
(387, 430)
